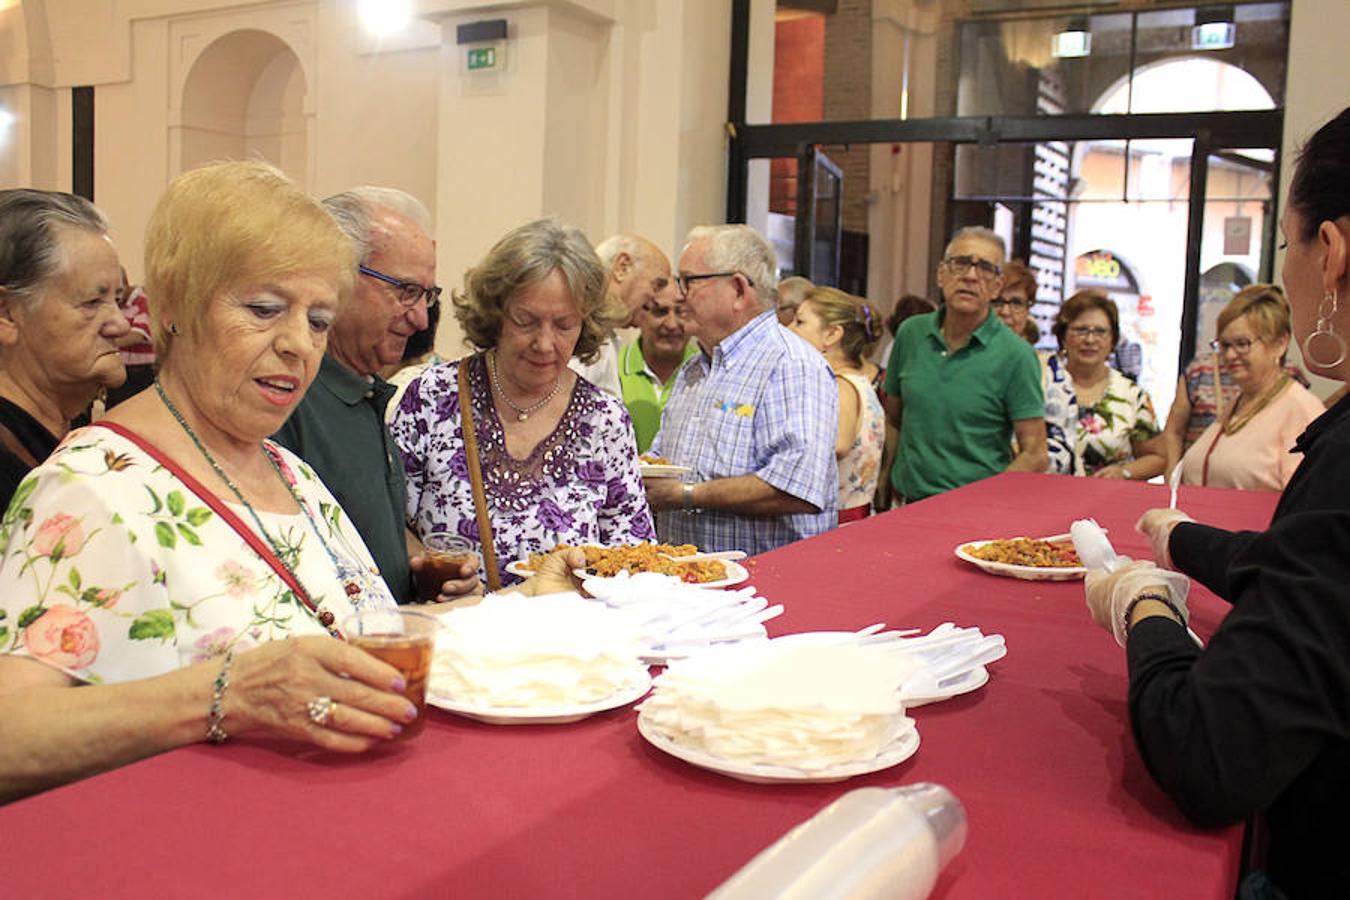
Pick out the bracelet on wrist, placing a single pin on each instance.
(1164, 599)
(215, 731)
(687, 497)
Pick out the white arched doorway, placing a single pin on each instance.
(1134, 203)
(244, 97)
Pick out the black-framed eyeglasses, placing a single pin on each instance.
(960, 265)
(1014, 302)
(683, 281)
(1242, 346)
(408, 292)
(1089, 331)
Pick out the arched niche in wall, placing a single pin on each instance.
(244, 98)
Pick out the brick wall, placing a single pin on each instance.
(848, 97)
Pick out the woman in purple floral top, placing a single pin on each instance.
(559, 459)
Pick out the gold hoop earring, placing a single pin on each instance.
(1325, 311)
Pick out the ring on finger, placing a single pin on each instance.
(321, 710)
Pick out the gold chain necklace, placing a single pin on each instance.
(522, 413)
(1236, 423)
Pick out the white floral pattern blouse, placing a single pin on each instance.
(859, 468)
(1084, 439)
(113, 570)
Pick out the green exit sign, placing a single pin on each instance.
(482, 58)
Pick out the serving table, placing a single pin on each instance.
(1058, 800)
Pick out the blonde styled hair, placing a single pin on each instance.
(230, 226)
(861, 324)
(527, 255)
(1266, 310)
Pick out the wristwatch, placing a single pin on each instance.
(688, 496)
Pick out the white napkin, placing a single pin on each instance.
(806, 707)
(550, 651)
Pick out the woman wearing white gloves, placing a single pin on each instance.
(1259, 721)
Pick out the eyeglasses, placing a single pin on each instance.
(1242, 346)
(683, 281)
(1093, 331)
(408, 292)
(1014, 302)
(960, 265)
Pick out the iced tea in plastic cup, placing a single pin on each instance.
(443, 555)
(405, 640)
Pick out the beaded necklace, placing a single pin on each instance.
(345, 572)
(522, 413)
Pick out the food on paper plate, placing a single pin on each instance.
(1027, 552)
(650, 460)
(633, 558)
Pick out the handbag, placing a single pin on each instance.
(494, 578)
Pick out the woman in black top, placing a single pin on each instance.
(59, 323)
(1259, 721)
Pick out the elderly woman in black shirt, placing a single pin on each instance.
(1258, 722)
(59, 323)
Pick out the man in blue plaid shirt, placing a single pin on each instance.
(754, 415)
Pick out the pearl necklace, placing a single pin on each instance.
(521, 412)
(350, 585)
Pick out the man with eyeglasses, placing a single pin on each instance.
(960, 384)
(754, 416)
(339, 428)
(638, 272)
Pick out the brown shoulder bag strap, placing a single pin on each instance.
(494, 578)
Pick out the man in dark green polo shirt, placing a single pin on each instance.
(339, 427)
(647, 366)
(960, 385)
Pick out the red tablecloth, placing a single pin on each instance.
(1058, 800)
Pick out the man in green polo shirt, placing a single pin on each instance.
(647, 366)
(339, 427)
(960, 385)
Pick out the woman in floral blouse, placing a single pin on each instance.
(559, 459)
(1106, 422)
(158, 556)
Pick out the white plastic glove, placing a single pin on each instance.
(1157, 525)
(1109, 593)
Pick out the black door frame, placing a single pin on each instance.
(1210, 131)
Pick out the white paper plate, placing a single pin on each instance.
(971, 681)
(1026, 573)
(657, 470)
(637, 685)
(899, 750)
(736, 573)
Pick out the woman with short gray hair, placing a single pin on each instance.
(59, 323)
(558, 456)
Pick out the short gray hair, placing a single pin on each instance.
(978, 233)
(739, 248)
(31, 253)
(355, 210)
(793, 290)
(609, 249)
(527, 255)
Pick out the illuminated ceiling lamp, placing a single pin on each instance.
(1074, 41)
(383, 18)
(1214, 28)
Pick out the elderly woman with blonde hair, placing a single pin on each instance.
(1247, 447)
(549, 458)
(159, 555)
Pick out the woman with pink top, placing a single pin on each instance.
(1247, 447)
